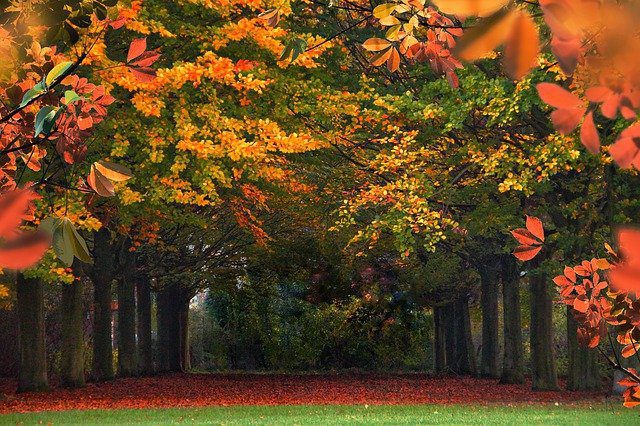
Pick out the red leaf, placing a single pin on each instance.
(136, 48)
(24, 251)
(525, 253)
(567, 52)
(589, 135)
(534, 225)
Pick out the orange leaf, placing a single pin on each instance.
(380, 58)
(24, 251)
(534, 225)
(376, 44)
(524, 236)
(393, 63)
(485, 37)
(525, 253)
(522, 46)
(136, 48)
(557, 96)
(469, 7)
(581, 305)
(13, 206)
(99, 183)
(589, 135)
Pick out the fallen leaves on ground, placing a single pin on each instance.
(197, 390)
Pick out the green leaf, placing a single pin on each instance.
(32, 93)
(46, 119)
(62, 246)
(78, 244)
(293, 49)
(70, 97)
(58, 72)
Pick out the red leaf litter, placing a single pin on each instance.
(197, 390)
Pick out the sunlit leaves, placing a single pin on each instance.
(58, 72)
(383, 10)
(376, 44)
(271, 16)
(102, 176)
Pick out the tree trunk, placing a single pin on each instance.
(102, 276)
(489, 304)
(33, 356)
(72, 347)
(583, 373)
(439, 347)
(127, 362)
(513, 360)
(169, 328)
(450, 338)
(543, 366)
(466, 362)
(185, 352)
(145, 352)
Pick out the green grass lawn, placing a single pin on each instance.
(324, 415)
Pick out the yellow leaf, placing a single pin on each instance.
(113, 172)
(376, 44)
(383, 10)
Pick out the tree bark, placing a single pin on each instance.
(33, 356)
(127, 362)
(489, 305)
(169, 329)
(102, 277)
(439, 346)
(513, 360)
(583, 373)
(72, 347)
(185, 351)
(145, 351)
(466, 362)
(450, 338)
(543, 365)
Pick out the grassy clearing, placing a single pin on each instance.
(327, 415)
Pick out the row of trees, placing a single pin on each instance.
(217, 143)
